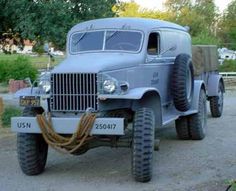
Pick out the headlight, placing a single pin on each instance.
(45, 85)
(109, 85)
(44, 82)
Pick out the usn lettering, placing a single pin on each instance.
(23, 125)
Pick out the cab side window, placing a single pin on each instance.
(153, 44)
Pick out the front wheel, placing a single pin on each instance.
(32, 153)
(143, 145)
(32, 149)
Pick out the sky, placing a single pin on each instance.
(157, 4)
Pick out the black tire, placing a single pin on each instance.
(32, 150)
(197, 122)
(182, 82)
(182, 128)
(32, 111)
(118, 113)
(217, 102)
(143, 145)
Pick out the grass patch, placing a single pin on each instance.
(232, 185)
(9, 112)
(40, 62)
(3, 88)
(228, 66)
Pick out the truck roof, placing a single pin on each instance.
(126, 23)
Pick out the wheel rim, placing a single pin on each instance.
(220, 99)
(189, 83)
(204, 115)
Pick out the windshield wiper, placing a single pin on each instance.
(112, 35)
(82, 36)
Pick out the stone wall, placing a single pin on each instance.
(15, 85)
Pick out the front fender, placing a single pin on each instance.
(35, 91)
(213, 84)
(136, 94)
(141, 97)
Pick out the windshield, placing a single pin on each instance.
(106, 40)
(87, 41)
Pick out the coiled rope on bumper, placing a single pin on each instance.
(67, 144)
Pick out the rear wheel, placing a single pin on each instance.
(197, 122)
(182, 128)
(31, 148)
(143, 145)
(217, 102)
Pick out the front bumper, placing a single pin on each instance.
(102, 126)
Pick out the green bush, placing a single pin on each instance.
(18, 69)
(228, 66)
(205, 38)
(9, 112)
(3, 70)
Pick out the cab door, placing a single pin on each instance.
(158, 66)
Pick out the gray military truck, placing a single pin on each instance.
(135, 75)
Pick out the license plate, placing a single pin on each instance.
(29, 101)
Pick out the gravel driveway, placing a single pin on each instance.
(179, 165)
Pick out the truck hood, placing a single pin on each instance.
(94, 62)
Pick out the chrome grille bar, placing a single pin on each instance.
(73, 92)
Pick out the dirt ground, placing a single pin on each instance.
(179, 165)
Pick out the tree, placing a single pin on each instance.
(177, 5)
(199, 16)
(47, 20)
(227, 26)
(132, 9)
(208, 10)
(7, 22)
(90, 9)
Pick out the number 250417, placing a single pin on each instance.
(105, 126)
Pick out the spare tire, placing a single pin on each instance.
(182, 82)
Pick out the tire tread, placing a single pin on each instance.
(179, 89)
(143, 145)
(29, 156)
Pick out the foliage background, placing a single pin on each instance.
(49, 20)
(18, 69)
(207, 24)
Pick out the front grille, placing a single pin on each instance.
(73, 92)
